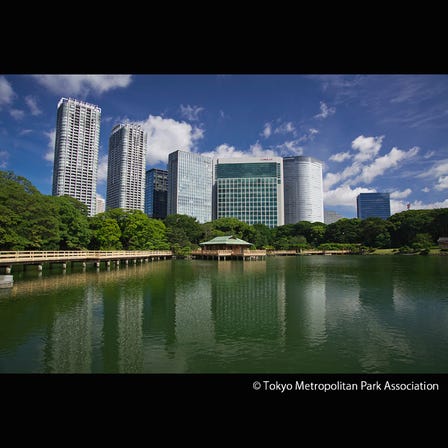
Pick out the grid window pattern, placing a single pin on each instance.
(190, 185)
(76, 151)
(373, 205)
(249, 192)
(126, 168)
(156, 193)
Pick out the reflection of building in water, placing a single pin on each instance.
(69, 348)
(130, 332)
(193, 313)
(249, 301)
(306, 299)
(122, 329)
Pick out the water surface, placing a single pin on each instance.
(311, 314)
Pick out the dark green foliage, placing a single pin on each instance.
(30, 220)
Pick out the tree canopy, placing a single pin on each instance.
(30, 220)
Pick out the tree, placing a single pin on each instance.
(106, 233)
(344, 231)
(375, 232)
(262, 236)
(406, 225)
(183, 230)
(73, 223)
(141, 232)
(28, 219)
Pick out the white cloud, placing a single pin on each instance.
(368, 147)
(442, 183)
(25, 131)
(344, 196)
(440, 168)
(166, 135)
(429, 154)
(400, 206)
(333, 178)
(257, 150)
(49, 155)
(313, 131)
(4, 156)
(190, 112)
(426, 190)
(228, 151)
(82, 84)
(224, 151)
(384, 163)
(285, 128)
(102, 169)
(31, 102)
(290, 148)
(17, 113)
(340, 156)
(6, 92)
(401, 194)
(267, 130)
(325, 111)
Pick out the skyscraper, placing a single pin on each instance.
(250, 189)
(190, 185)
(126, 167)
(76, 151)
(156, 192)
(303, 189)
(373, 205)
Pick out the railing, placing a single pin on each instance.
(228, 253)
(42, 256)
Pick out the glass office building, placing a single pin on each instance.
(190, 178)
(304, 197)
(373, 205)
(250, 189)
(156, 193)
(76, 151)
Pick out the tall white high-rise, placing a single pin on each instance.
(76, 151)
(190, 185)
(126, 168)
(303, 189)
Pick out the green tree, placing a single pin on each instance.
(262, 236)
(73, 223)
(183, 230)
(106, 233)
(375, 232)
(28, 219)
(235, 227)
(406, 225)
(141, 232)
(316, 234)
(344, 231)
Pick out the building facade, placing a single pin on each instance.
(156, 194)
(250, 189)
(100, 205)
(373, 205)
(190, 177)
(76, 151)
(126, 168)
(330, 216)
(304, 197)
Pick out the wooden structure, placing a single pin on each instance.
(228, 247)
(443, 243)
(37, 257)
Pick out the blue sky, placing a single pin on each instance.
(372, 132)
